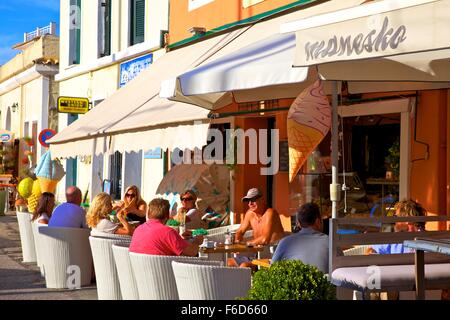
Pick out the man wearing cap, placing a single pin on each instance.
(265, 223)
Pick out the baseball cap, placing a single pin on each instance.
(253, 193)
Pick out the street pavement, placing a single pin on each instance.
(23, 281)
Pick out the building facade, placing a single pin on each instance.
(104, 45)
(28, 94)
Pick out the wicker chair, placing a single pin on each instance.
(128, 287)
(203, 282)
(38, 246)
(26, 236)
(108, 286)
(154, 275)
(66, 251)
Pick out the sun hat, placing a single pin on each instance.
(253, 193)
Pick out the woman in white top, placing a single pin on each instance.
(97, 217)
(44, 209)
(189, 213)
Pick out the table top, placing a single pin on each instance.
(381, 181)
(229, 248)
(265, 263)
(429, 245)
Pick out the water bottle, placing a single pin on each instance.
(228, 239)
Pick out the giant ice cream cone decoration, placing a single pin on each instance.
(309, 120)
(49, 172)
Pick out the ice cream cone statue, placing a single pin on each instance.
(49, 172)
(34, 197)
(309, 120)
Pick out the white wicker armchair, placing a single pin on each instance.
(107, 280)
(26, 236)
(38, 246)
(65, 251)
(203, 282)
(154, 275)
(128, 287)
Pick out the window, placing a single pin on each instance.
(75, 32)
(104, 34)
(137, 21)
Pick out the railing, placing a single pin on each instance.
(50, 29)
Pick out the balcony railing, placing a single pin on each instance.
(50, 29)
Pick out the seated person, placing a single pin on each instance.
(98, 217)
(154, 237)
(405, 208)
(310, 244)
(265, 222)
(133, 206)
(188, 212)
(69, 214)
(44, 209)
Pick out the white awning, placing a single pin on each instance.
(255, 66)
(136, 109)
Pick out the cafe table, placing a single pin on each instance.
(261, 263)
(421, 245)
(226, 249)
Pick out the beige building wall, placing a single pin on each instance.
(97, 78)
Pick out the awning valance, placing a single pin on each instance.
(372, 30)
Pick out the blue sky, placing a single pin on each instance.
(20, 16)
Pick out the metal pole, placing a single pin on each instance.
(334, 187)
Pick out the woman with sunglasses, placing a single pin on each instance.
(44, 209)
(133, 206)
(188, 212)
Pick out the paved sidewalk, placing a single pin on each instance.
(23, 281)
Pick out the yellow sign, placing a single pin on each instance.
(73, 105)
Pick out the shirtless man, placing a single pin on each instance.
(265, 223)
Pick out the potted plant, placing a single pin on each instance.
(291, 280)
(392, 160)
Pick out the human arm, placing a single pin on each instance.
(127, 228)
(270, 215)
(140, 210)
(118, 206)
(245, 225)
(192, 249)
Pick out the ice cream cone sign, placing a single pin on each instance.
(49, 172)
(309, 120)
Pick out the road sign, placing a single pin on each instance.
(45, 135)
(73, 105)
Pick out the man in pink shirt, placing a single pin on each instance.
(154, 237)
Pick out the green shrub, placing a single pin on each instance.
(291, 280)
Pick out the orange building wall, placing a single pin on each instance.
(212, 15)
(428, 177)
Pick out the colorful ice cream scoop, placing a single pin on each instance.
(49, 172)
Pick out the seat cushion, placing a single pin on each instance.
(395, 277)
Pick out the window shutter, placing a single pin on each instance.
(138, 19)
(107, 50)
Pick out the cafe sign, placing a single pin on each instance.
(131, 69)
(411, 29)
(73, 105)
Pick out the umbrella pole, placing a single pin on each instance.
(334, 187)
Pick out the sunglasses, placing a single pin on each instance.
(130, 195)
(187, 199)
(252, 199)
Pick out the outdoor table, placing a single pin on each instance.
(264, 263)
(7, 186)
(421, 245)
(232, 248)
